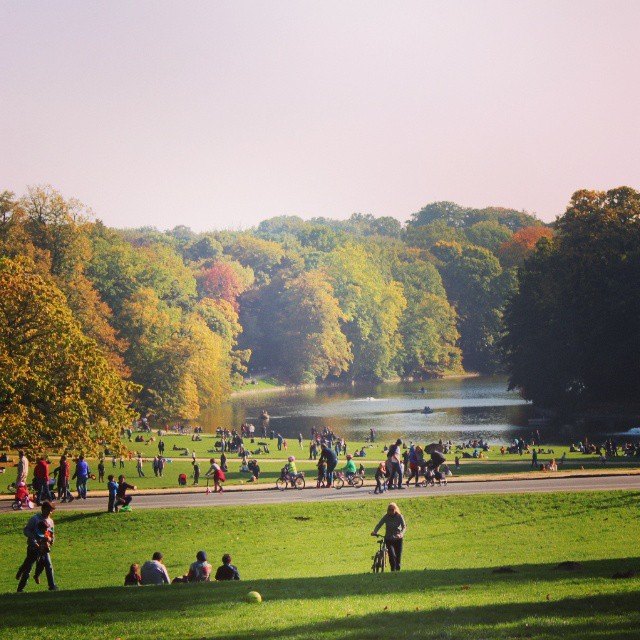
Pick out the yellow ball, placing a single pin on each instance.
(253, 596)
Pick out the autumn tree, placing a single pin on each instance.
(57, 389)
(512, 252)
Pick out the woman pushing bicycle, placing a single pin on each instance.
(395, 528)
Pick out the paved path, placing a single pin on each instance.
(238, 498)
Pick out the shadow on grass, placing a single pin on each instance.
(149, 604)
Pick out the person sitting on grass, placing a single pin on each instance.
(153, 571)
(254, 468)
(199, 571)
(133, 578)
(227, 571)
(349, 468)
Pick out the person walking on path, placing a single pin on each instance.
(23, 468)
(395, 528)
(64, 473)
(393, 466)
(40, 537)
(81, 477)
(534, 458)
(41, 480)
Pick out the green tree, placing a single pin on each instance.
(573, 332)
(372, 306)
(312, 345)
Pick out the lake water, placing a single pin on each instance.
(462, 409)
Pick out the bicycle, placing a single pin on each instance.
(288, 481)
(380, 556)
(353, 481)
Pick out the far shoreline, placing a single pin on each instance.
(338, 385)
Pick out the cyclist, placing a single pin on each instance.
(290, 469)
(349, 469)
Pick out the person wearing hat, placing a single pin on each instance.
(200, 570)
(349, 469)
(40, 537)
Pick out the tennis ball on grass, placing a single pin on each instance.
(253, 596)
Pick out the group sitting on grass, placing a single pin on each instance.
(154, 572)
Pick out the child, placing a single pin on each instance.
(42, 545)
(22, 496)
(322, 475)
(290, 467)
(101, 470)
(349, 469)
(381, 478)
(133, 578)
(196, 473)
(112, 487)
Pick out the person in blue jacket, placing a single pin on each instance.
(81, 476)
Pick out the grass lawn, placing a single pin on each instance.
(311, 564)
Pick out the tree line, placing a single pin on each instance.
(98, 324)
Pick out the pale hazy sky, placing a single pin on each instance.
(220, 114)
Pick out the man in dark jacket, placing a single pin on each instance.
(329, 456)
(227, 571)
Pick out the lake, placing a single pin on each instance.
(463, 408)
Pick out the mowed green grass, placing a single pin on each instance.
(311, 564)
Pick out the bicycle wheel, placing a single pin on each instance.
(300, 483)
(358, 482)
(15, 505)
(338, 483)
(281, 484)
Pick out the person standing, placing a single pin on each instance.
(139, 466)
(38, 546)
(23, 468)
(330, 457)
(64, 473)
(41, 479)
(393, 465)
(395, 528)
(196, 472)
(101, 469)
(81, 476)
(112, 488)
(160, 466)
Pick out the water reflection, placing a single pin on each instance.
(462, 409)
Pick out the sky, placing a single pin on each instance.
(219, 114)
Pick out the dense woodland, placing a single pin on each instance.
(97, 324)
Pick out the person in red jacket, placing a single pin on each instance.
(41, 480)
